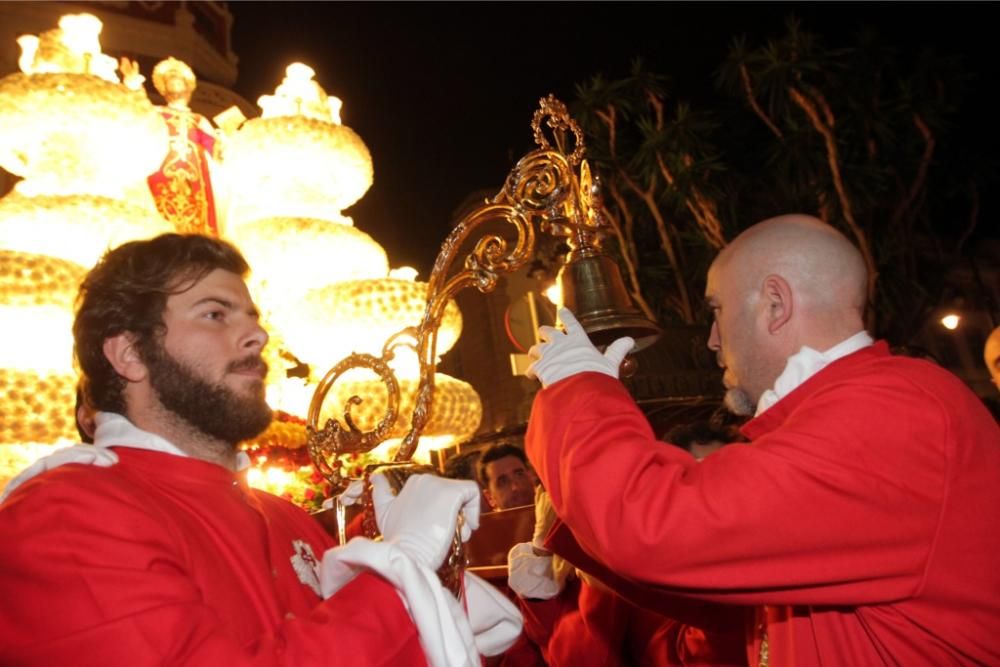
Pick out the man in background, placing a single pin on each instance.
(505, 477)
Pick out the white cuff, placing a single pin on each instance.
(531, 576)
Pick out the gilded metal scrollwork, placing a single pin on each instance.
(542, 189)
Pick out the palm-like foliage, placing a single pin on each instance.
(852, 135)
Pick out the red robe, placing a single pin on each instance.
(162, 559)
(861, 522)
(590, 626)
(182, 188)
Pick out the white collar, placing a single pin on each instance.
(807, 362)
(114, 430)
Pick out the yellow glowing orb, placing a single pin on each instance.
(77, 228)
(37, 407)
(456, 410)
(289, 255)
(77, 133)
(296, 167)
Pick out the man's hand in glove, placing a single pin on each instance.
(421, 519)
(563, 354)
(545, 516)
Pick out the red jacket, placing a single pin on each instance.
(588, 626)
(861, 521)
(162, 559)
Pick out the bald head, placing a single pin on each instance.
(784, 283)
(824, 270)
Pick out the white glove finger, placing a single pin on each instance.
(537, 350)
(467, 501)
(352, 493)
(548, 334)
(535, 353)
(545, 516)
(618, 349)
(382, 498)
(470, 508)
(570, 323)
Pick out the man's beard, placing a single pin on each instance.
(739, 403)
(214, 409)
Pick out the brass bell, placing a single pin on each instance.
(593, 289)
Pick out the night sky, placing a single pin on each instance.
(443, 93)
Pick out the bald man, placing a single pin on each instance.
(991, 355)
(859, 527)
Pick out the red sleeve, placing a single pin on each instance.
(541, 617)
(88, 579)
(831, 508)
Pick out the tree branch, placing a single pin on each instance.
(921, 177)
(825, 130)
(748, 89)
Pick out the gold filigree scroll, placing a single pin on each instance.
(326, 445)
(542, 189)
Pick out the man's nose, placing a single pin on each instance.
(256, 337)
(714, 341)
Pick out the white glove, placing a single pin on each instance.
(85, 454)
(567, 353)
(445, 632)
(496, 622)
(545, 516)
(421, 519)
(532, 576)
(350, 496)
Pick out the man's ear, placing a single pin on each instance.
(777, 294)
(123, 355)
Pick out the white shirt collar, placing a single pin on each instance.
(114, 430)
(807, 362)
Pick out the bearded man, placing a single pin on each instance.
(859, 524)
(158, 552)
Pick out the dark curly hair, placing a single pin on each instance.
(127, 291)
(496, 452)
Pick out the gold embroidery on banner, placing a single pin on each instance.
(182, 196)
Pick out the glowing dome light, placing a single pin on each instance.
(456, 410)
(36, 338)
(77, 134)
(374, 310)
(299, 95)
(37, 407)
(74, 47)
(291, 395)
(79, 139)
(66, 226)
(314, 169)
(325, 288)
(329, 323)
(951, 321)
(287, 253)
(35, 280)
(425, 445)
